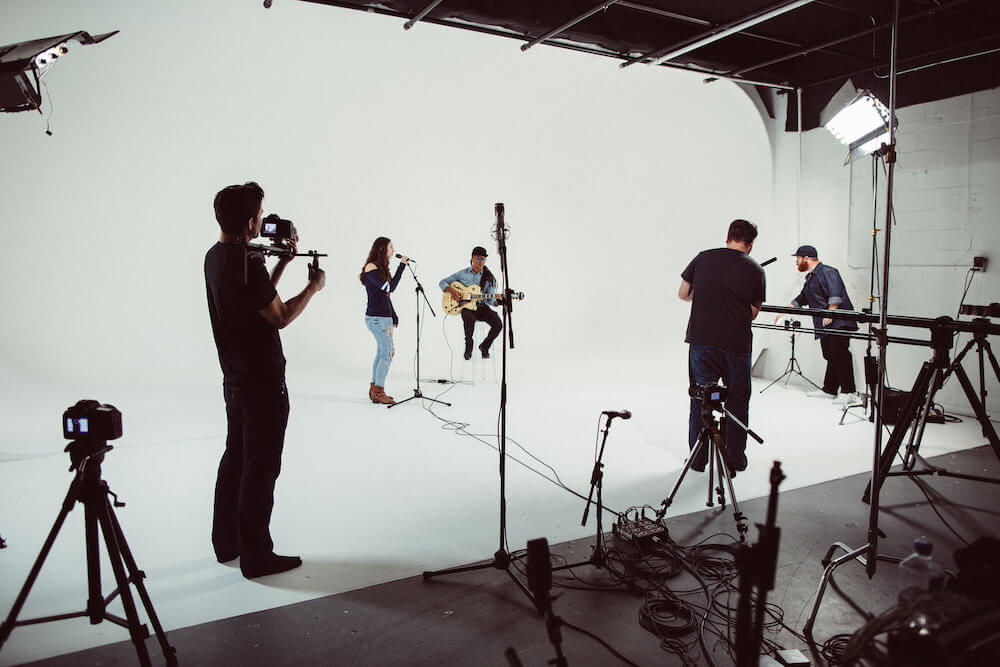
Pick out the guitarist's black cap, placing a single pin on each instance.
(479, 251)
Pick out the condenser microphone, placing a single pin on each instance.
(624, 414)
(768, 261)
(539, 573)
(412, 261)
(267, 4)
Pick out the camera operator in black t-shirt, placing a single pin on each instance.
(726, 289)
(246, 313)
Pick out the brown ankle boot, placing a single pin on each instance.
(371, 392)
(381, 397)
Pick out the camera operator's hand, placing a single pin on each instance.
(778, 318)
(317, 278)
(827, 321)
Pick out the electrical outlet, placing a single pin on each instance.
(979, 264)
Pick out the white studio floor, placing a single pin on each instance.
(368, 495)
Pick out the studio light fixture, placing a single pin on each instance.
(23, 65)
(863, 125)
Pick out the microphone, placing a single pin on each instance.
(768, 261)
(398, 256)
(624, 414)
(539, 573)
(267, 4)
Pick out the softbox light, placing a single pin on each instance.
(863, 124)
(23, 65)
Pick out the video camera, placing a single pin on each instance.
(708, 393)
(90, 424)
(92, 420)
(280, 231)
(277, 229)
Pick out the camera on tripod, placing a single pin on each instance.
(711, 393)
(278, 229)
(92, 420)
(792, 324)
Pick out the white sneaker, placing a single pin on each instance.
(846, 399)
(819, 393)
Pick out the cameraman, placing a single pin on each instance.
(246, 313)
(726, 289)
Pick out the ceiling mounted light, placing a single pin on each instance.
(23, 65)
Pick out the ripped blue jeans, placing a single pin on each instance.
(381, 328)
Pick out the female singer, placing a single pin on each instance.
(380, 317)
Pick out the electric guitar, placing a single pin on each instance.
(471, 296)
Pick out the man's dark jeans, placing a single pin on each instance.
(244, 489)
(710, 364)
(482, 313)
(839, 365)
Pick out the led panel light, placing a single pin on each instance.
(863, 125)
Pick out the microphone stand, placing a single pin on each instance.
(502, 558)
(599, 556)
(419, 289)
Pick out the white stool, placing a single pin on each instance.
(478, 370)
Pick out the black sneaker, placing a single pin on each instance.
(270, 564)
(485, 351)
(468, 350)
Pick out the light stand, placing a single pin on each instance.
(868, 554)
(92, 492)
(793, 367)
(502, 558)
(757, 566)
(419, 289)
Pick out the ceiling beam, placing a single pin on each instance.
(424, 12)
(840, 40)
(717, 33)
(569, 24)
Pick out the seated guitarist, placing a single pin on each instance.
(477, 274)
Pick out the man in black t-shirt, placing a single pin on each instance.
(726, 289)
(246, 313)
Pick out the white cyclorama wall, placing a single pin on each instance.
(355, 128)
(947, 211)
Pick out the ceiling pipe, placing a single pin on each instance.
(716, 34)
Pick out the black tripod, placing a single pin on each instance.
(502, 558)
(713, 437)
(419, 289)
(599, 557)
(983, 352)
(930, 378)
(92, 492)
(793, 367)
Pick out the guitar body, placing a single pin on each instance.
(471, 296)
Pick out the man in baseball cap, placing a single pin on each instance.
(825, 289)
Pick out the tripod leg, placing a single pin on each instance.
(979, 409)
(95, 598)
(920, 386)
(136, 629)
(8, 625)
(917, 433)
(137, 576)
(687, 466)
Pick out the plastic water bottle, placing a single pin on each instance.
(919, 572)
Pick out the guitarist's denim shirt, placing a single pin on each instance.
(467, 277)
